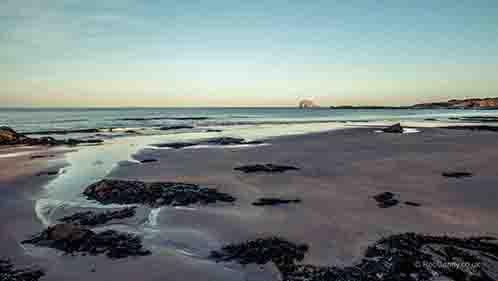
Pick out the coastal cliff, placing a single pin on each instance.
(473, 103)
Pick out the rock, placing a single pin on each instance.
(9, 137)
(71, 238)
(136, 192)
(267, 168)
(63, 132)
(9, 273)
(396, 128)
(213, 141)
(149, 160)
(386, 200)
(41, 156)
(473, 128)
(92, 219)
(413, 204)
(307, 103)
(175, 127)
(274, 201)
(176, 145)
(457, 175)
(165, 118)
(261, 251)
(214, 131)
(430, 119)
(409, 256)
(48, 173)
(133, 132)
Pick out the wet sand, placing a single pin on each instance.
(339, 173)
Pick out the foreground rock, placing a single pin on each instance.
(9, 273)
(72, 238)
(457, 175)
(274, 201)
(396, 128)
(386, 200)
(10, 137)
(266, 168)
(214, 141)
(153, 194)
(409, 257)
(92, 219)
(63, 132)
(474, 128)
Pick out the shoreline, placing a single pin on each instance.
(345, 220)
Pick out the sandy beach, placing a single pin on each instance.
(339, 173)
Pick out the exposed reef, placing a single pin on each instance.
(90, 218)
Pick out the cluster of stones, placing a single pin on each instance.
(409, 257)
(72, 239)
(153, 194)
(274, 201)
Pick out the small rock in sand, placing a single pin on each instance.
(413, 204)
(149, 160)
(386, 200)
(267, 168)
(457, 175)
(274, 201)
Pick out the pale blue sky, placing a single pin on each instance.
(238, 53)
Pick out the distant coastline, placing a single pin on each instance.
(472, 103)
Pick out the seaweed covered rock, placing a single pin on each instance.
(409, 256)
(90, 218)
(266, 168)
(153, 194)
(274, 201)
(72, 238)
(9, 273)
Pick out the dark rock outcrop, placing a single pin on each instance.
(49, 173)
(214, 141)
(407, 257)
(153, 194)
(474, 103)
(274, 201)
(72, 238)
(473, 128)
(396, 128)
(175, 127)
(266, 168)
(9, 273)
(386, 200)
(148, 160)
(194, 118)
(10, 137)
(90, 218)
(63, 132)
(457, 175)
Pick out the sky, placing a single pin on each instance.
(89, 53)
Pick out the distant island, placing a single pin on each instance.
(473, 103)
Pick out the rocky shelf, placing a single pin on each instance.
(409, 256)
(72, 239)
(90, 218)
(153, 194)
